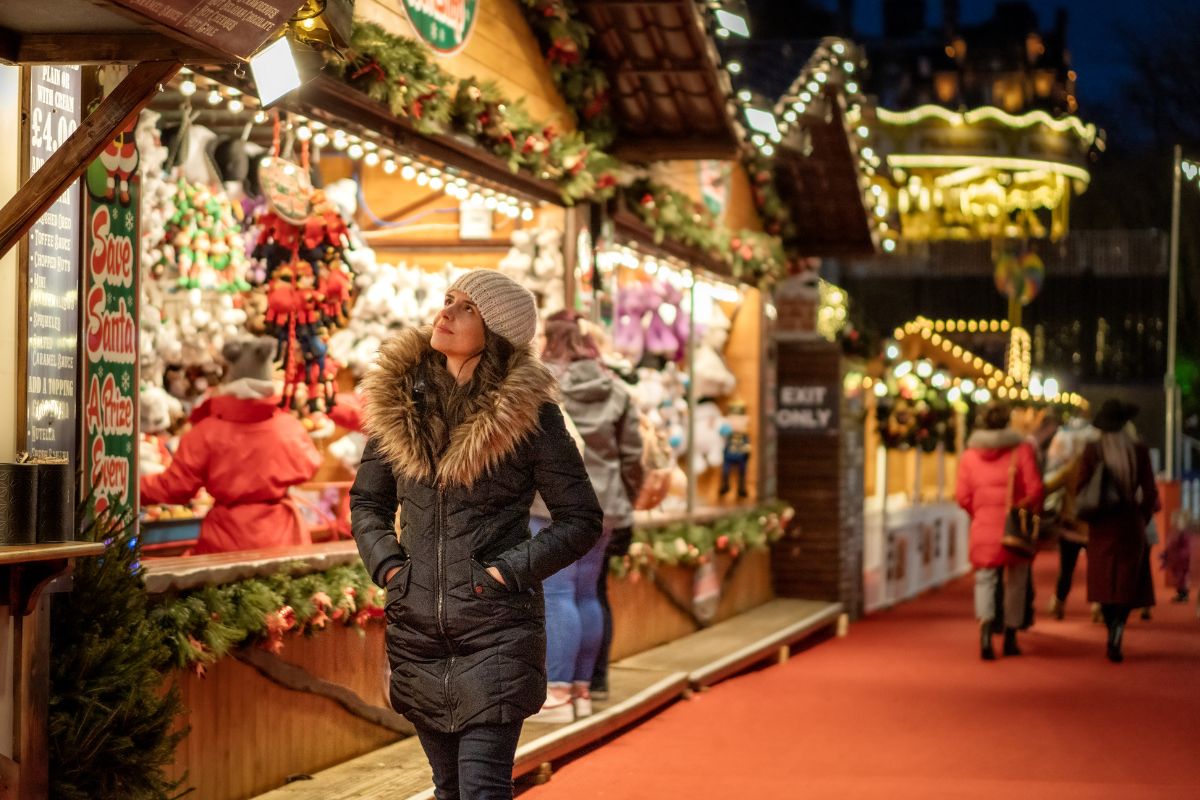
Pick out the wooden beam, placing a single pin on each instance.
(109, 48)
(81, 148)
(10, 42)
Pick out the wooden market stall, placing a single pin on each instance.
(918, 416)
(484, 166)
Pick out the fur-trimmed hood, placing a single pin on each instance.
(504, 417)
(998, 442)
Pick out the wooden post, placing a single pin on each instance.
(81, 148)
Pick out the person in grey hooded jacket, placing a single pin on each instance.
(578, 625)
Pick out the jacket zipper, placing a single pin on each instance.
(441, 603)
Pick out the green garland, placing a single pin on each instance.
(399, 73)
(754, 256)
(690, 544)
(202, 626)
(581, 82)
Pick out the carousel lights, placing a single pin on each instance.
(734, 67)
(187, 88)
(408, 172)
(321, 139)
(745, 95)
(852, 87)
(436, 183)
(422, 178)
(981, 396)
(371, 159)
(215, 97)
(389, 166)
(235, 105)
(260, 117)
(527, 214)
(881, 389)
(924, 369)
(355, 151)
(304, 133)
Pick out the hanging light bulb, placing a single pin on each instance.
(389, 166)
(321, 139)
(527, 213)
(355, 151)
(236, 106)
(339, 140)
(372, 159)
(260, 117)
(187, 88)
(436, 183)
(408, 172)
(489, 202)
(215, 98)
(303, 133)
(422, 179)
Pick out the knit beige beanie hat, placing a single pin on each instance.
(508, 308)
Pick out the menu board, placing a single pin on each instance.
(110, 303)
(234, 27)
(53, 270)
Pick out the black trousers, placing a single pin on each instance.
(472, 764)
(618, 545)
(1068, 556)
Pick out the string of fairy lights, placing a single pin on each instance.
(372, 152)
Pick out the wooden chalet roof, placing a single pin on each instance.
(671, 97)
(822, 159)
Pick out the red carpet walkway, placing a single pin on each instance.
(904, 708)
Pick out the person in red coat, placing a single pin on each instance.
(1118, 553)
(997, 471)
(246, 452)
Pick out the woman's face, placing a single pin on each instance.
(458, 328)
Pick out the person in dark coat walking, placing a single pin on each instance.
(997, 471)
(464, 429)
(1118, 554)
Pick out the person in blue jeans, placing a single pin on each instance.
(606, 420)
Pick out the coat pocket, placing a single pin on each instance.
(485, 586)
(397, 587)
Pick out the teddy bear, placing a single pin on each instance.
(158, 413)
(713, 377)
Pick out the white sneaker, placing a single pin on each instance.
(557, 710)
(581, 698)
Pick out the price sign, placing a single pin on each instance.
(53, 270)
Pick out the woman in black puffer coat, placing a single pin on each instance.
(464, 429)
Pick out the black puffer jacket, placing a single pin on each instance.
(464, 649)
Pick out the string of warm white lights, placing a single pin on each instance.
(1018, 383)
(370, 152)
(832, 75)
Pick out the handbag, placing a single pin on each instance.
(1021, 526)
(658, 464)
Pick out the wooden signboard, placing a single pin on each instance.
(236, 27)
(110, 299)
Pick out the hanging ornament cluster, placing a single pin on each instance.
(302, 240)
(204, 246)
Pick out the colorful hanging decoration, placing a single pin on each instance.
(307, 280)
(1020, 277)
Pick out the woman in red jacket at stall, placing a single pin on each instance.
(246, 452)
(997, 458)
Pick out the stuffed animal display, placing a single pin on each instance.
(650, 325)
(390, 297)
(535, 261)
